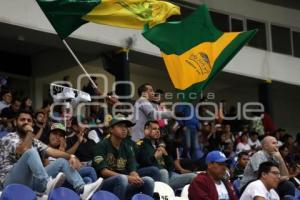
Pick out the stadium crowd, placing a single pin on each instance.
(126, 153)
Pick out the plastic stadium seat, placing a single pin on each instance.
(185, 192)
(3, 133)
(104, 195)
(63, 193)
(17, 192)
(141, 197)
(164, 190)
(297, 194)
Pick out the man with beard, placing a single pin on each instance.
(21, 163)
(144, 111)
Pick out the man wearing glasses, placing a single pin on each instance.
(263, 188)
(269, 152)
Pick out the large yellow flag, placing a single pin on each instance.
(131, 13)
(68, 15)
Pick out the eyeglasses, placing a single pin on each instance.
(276, 173)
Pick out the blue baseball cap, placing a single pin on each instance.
(215, 156)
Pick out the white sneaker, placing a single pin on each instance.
(55, 182)
(90, 189)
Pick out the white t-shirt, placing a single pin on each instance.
(222, 191)
(258, 189)
(242, 147)
(256, 143)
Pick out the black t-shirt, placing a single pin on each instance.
(85, 149)
(8, 113)
(46, 132)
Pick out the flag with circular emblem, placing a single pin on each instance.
(68, 15)
(194, 50)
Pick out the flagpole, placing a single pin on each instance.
(79, 63)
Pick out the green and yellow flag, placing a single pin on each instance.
(68, 15)
(194, 50)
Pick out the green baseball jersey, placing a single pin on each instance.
(120, 160)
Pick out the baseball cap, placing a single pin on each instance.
(120, 119)
(58, 126)
(215, 156)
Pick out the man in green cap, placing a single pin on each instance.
(114, 160)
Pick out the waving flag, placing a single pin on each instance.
(68, 15)
(194, 50)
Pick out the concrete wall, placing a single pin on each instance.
(139, 75)
(255, 10)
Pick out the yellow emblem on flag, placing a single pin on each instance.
(132, 13)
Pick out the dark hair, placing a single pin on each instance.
(150, 122)
(15, 100)
(286, 137)
(159, 91)
(24, 112)
(245, 133)
(241, 154)
(46, 102)
(282, 147)
(39, 112)
(253, 133)
(265, 167)
(23, 103)
(5, 91)
(143, 88)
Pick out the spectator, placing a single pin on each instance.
(285, 154)
(253, 141)
(159, 106)
(57, 141)
(153, 153)
(144, 111)
(191, 130)
(278, 134)
(289, 142)
(79, 143)
(21, 162)
(206, 130)
(89, 88)
(269, 152)
(27, 104)
(210, 184)
(217, 141)
(6, 97)
(263, 188)
(9, 114)
(39, 126)
(229, 138)
(114, 160)
(238, 170)
(46, 108)
(244, 144)
(294, 170)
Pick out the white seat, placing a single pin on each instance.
(185, 192)
(44, 197)
(164, 191)
(180, 198)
